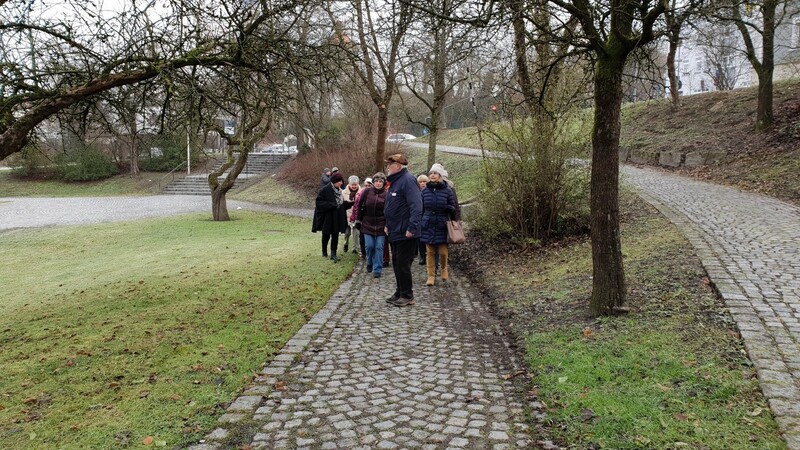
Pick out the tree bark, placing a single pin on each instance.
(764, 117)
(608, 286)
(673, 77)
(380, 147)
(219, 206)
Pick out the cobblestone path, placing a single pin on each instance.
(363, 374)
(750, 247)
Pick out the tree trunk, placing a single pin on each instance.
(673, 77)
(608, 286)
(764, 116)
(219, 207)
(380, 148)
(134, 157)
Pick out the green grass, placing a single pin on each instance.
(670, 374)
(115, 332)
(145, 184)
(463, 170)
(271, 192)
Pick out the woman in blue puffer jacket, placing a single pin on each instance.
(438, 205)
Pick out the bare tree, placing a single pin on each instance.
(722, 53)
(436, 50)
(380, 29)
(757, 22)
(51, 63)
(611, 31)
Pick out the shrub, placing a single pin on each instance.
(163, 153)
(32, 162)
(532, 191)
(85, 164)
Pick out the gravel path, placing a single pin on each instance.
(19, 212)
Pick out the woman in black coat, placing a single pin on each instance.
(330, 215)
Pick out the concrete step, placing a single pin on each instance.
(257, 163)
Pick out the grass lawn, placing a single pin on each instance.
(145, 184)
(116, 332)
(269, 191)
(670, 374)
(464, 171)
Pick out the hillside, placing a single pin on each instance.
(711, 136)
(717, 129)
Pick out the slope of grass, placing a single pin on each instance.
(145, 184)
(115, 332)
(671, 374)
(270, 191)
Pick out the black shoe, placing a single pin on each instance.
(376, 275)
(324, 255)
(346, 246)
(354, 251)
(369, 269)
(393, 298)
(334, 258)
(402, 301)
(421, 262)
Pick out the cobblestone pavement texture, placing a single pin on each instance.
(363, 374)
(750, 247)
(25, 212)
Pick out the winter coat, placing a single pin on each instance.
(370, 209)
(403, 206)
(329, 217)
(324, 180)
(349, 198)
(438, 204)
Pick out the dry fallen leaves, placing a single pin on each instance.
(148, 440)
(587, 332)
(280, 385)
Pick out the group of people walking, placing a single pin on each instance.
(393, 213)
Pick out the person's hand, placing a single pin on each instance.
(386, 231)
(409, 234)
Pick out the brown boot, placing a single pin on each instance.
(443, 262)
(430, 262)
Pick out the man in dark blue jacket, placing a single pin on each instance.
(403, 210)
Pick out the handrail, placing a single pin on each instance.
(171, 172)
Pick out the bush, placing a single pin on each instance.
(32, 162)
(163, 154)
(532, 193)
(86, 164)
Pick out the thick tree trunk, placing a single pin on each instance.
(608, 287)
(219, 207)
(380, 148)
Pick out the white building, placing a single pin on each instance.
(711, 57)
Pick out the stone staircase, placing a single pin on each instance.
(257, 164)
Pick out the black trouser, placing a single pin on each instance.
(361, 242)
(402, 256)
(334, 238)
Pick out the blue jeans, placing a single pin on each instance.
(374, 245)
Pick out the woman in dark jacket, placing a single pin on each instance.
(329, 215)
(372, 221)
(438, 204)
